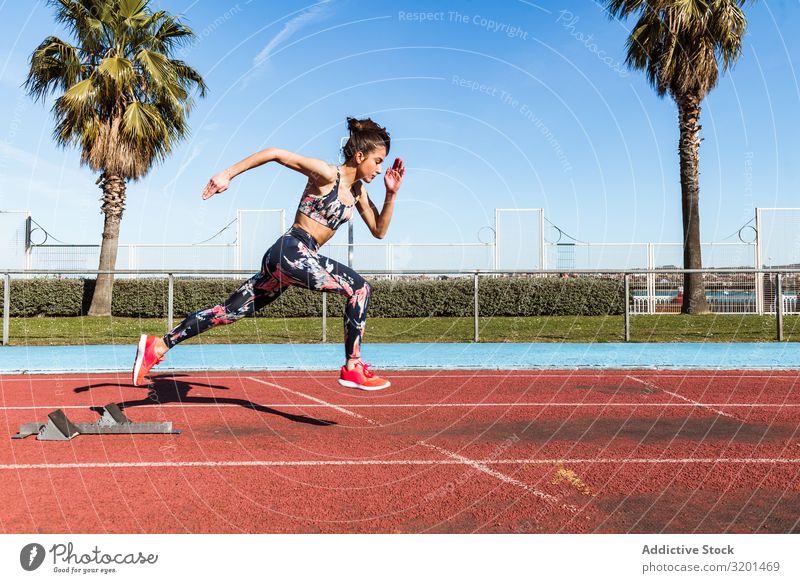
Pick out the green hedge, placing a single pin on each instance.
(147, 298)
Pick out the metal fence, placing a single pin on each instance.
(394, 256)
(14, 239)
(391, 257)
(647, 292)
(56, 258)
(516, 244)
(518, 240)
(646, 256)
(727, 292)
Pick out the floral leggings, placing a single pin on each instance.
(292, 260)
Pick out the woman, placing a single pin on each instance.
(327, 202)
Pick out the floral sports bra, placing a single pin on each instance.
(327, 209)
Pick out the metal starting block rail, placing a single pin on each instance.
(112, 422)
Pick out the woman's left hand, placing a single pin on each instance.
(394, 176)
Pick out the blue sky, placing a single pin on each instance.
(491, 104)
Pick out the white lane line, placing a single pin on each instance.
(449, 454)
(483, 465)
(222, 405)
(320, 401)
(676, 395)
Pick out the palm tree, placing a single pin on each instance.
(124, 100)
(679, 44)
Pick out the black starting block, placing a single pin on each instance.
(112, 422)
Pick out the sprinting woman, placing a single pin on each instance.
(327, 203)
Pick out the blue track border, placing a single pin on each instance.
(473, 356)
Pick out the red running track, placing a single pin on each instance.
(466, 451)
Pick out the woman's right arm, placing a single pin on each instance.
(316, 170)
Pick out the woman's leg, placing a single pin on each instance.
(251, 296)
(303, 267)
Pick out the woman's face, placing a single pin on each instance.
(369, 164)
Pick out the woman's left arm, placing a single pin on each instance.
(378, 222)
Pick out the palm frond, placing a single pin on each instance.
(80, 97)
(82, 19)
(624, 8)
(167, 33)
(156, 66)
(118, 70)
(189, 78)
(54, 65)
(133, 10)
(142, 123)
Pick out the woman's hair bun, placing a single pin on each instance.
(365, 136)
(354, 125)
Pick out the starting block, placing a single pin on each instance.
(112, 422)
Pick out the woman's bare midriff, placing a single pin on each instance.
(321, 233)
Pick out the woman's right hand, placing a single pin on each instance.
(218, 183)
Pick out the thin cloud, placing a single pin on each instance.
(313, 14)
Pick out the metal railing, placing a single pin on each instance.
(743, 293)
(392, 256)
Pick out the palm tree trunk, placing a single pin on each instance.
(694, 291)
(113, 187)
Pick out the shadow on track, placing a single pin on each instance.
(172, 389)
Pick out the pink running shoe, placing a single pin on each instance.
(362, 378)
(146, 358)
